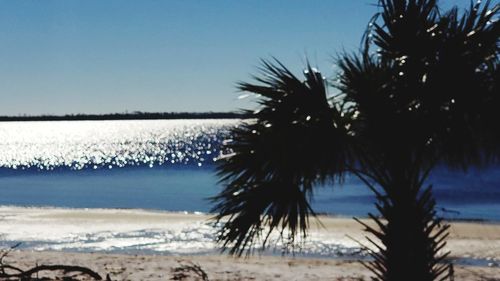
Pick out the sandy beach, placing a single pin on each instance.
(219, 267)
(470, 242)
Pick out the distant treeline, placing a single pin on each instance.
(136, 115)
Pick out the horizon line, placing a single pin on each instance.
(135, 115)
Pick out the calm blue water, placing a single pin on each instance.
(168, 165)
(187, 188)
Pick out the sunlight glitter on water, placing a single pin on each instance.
(96, 144)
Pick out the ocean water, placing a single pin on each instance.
(168, 165)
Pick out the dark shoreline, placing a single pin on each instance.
(128, 116)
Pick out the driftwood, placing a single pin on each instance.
(26, 275)
(10, 272)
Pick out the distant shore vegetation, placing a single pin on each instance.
(136, 115)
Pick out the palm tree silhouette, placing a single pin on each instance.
(427, 95)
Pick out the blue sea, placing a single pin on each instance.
(169, 165)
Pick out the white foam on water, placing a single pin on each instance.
(134, 231)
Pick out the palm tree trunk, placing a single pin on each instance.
(409, 246)
(411, 236)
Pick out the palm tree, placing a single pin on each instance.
(427, 96)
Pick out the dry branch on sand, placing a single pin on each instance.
(11, 272)
(188, 270)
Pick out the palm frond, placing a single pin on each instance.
(431, 85)
(405, 28)
(295, 141)
(459, 91)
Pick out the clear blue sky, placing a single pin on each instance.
(94, 56)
